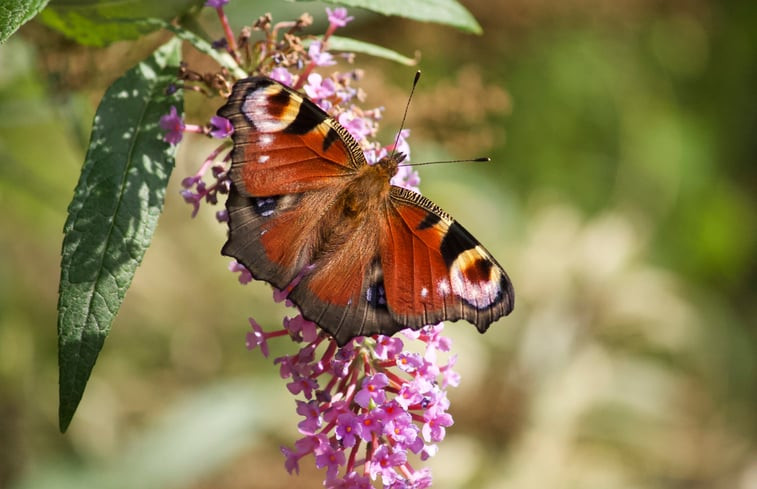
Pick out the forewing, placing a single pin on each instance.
(284, 143)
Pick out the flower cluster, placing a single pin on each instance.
(370, 393)
(370, 407)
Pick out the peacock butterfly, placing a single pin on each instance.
(361, 256)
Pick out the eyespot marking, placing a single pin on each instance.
(264, 206)
(475, 279)
(270, 108)
(375, 295)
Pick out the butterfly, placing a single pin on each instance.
(361, 256)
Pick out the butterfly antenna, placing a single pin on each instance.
(483, 159)
(404, 116)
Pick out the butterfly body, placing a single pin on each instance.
(360, 255)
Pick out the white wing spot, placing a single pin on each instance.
(424, 292)
(263, 158)
(265, 139)
(443, 287)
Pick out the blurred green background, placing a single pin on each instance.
(621, 199)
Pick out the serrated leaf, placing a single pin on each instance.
(337, 43)
(448, 12)
(113, 214)
(15, 13)
(101, 22)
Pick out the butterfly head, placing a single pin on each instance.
(387, 166)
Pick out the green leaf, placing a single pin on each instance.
(337, 43)
(448, 12)
(113, 214)
(101, 22)
(15, 13)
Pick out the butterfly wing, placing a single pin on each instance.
(284, 143)
(290, 160)
(434, 270)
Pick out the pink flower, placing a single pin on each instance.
(313, 418)
(318, 56)
(245, 277)
(195, 189)
(358, 127)
(411, 393)
(192, 198)
(449, 376)
(371, 424)
(402, 430)
(220, 127)
(301, 329)
(372, 391)
(338, 17)
(257, 338)
(320, 89)
(326, 455)
(282, 75)
(434, 428)
(305, 385)
(387, 346)
(409, 362)
(347, 428)
(174, 126)
(383, 463)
